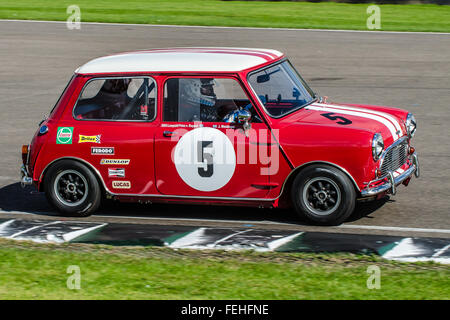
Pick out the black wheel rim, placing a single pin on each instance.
(71, 187)
(322, 196)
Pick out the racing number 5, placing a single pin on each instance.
(202, 156)
(330, 115)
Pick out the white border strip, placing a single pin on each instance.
(386, 228)
(224, 27)
(343, 226)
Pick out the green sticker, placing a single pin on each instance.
(64, 135)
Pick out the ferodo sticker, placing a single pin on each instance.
(124, 162)
(64, 135)
(205, 159)
(102, 151)
(121, 184)
(93, 139)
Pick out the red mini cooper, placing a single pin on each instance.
(218, 126)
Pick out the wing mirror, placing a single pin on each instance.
(243, 117)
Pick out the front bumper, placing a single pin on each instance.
(390, 182)
(25, 179)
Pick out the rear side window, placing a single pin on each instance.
(119, 99)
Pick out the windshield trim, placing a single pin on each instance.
(315, 97)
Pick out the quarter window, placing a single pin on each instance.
(204, 99)
(126, 99)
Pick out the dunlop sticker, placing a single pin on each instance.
(123, 162)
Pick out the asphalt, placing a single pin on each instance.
(409, 70)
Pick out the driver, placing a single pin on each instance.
(208, 98)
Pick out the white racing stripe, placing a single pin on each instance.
(380, 119)
(378, 113)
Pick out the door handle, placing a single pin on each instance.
(168, 134)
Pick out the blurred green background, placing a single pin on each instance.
(275, 14)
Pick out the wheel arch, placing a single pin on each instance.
(290, 178)
(84, 162)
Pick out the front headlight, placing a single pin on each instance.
(411, 124)
(377, 146)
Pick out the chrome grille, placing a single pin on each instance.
(394, 158)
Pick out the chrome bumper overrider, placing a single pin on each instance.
(25, 179)
(392, 182)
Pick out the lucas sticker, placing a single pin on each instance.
(121, 184)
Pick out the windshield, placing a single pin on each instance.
(281, 89)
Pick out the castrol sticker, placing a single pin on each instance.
(64, 135)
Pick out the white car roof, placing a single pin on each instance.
(181, 60)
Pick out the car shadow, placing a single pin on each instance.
(14, 198)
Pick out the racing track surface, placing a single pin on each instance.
(405, 70)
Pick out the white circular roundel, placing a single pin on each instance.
(205, 159)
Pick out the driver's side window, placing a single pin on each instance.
(126, 98)
(204, 99)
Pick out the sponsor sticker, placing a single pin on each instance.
(93, 139)
(121, 184)
(144, 110)
(64, 135)
(116, 173)
(102, 151)
(124, 162)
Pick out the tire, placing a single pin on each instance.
(323, 195)
(72, 189)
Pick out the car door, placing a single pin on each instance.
(197, 153)
(114, 131)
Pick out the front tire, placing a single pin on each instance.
(72, 189)
(323, 195)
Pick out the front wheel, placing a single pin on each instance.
(72, 188)
(323, 194)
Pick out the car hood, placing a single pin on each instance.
(386, 121)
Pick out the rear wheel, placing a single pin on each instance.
(323, 194)
(72, 188)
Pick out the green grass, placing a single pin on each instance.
(235, 13)
(35, 271)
